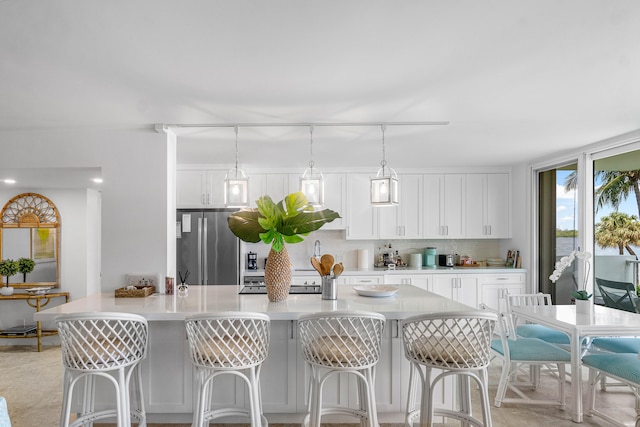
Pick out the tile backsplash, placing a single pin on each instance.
(333, 242)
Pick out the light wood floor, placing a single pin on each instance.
(31, 383)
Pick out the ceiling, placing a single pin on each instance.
(517, 80)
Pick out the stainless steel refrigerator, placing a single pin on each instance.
(206, 247)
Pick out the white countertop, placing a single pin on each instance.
(401, 270)
(158, 307)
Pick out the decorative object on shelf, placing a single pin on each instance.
(384, 186)
(8, 268)
(312, 181)
(276, 224)
(169, 285)
(183, 290)
(236, 184)
(565, 261)
(25, 266)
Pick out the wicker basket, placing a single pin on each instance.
(138, 292)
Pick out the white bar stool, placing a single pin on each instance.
(341, 342)
(107, 345)
(458, 344)
(228, 343)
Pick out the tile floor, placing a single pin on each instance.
(31, 383)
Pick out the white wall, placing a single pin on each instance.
(132, 207)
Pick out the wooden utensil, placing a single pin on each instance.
(316, 264)
(327, 262)
(337, 270)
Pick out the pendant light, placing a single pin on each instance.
(236, 185)
(312, 181)
(384, 186)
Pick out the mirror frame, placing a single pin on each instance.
(32, 210)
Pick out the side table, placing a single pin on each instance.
(37, 302)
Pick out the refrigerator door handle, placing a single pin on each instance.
(204, 258)
(199, 251)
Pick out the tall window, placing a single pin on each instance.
(557, 229)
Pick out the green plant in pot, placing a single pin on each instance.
(25, 266)
(276, 224)
(8, 268)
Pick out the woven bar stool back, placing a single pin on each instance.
(339, 342)
(459, 345)
(108, 345)
(232, 343)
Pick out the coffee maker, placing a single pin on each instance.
(252, 261)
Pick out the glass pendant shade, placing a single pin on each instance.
(236, 189)
(312, 185)
(384, 188)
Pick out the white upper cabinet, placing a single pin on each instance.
(488, 206)
(200, 188)
(443, 206)
(335, 185)
(405, 220)
(361, 216)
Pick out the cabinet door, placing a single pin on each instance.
(191, 189)
(433, 208)
(411, 195)
(467, 290)
(444, 284)
(488, 207)
(278, 377)
(493, 288)
(453, 213)
(257, 188)
(418, 280)
(498, 205)
(475, 216)
(388, 382)
(334, 199)
(361, 216)
(214, 184)
(277, 186)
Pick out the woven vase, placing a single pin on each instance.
(277, 275)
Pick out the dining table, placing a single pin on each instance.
(579, 324)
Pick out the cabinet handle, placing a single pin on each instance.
(502, 278)
(366, 281)
(202, 201)
(489, 228)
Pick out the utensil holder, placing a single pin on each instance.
(329, 288)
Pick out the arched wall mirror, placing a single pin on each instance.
(30, 228)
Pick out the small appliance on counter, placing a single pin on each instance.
(429, 258)
(448, 260)
(252, 261)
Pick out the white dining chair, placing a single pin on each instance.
(622, 367)
(534, 330)
(516, 353)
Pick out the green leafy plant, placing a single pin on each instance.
(8, 268)
(25, 266)
(278, 223)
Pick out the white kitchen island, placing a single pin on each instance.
(167, 372)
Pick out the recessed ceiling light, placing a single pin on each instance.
(9, 181)
(97, 180)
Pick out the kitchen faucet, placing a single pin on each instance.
(316, 249)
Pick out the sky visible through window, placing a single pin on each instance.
(567, 208)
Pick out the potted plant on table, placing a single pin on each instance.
(581, 295)
(25, 266)
(8, 268)
(276, 224)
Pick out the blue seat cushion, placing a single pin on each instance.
(542, 332)
(533, 350)
(618, 344)
(4, 413)
(622, 365)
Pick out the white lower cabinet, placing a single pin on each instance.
(278, 376)
(494, 287)
(458, 287)
(421, 281)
